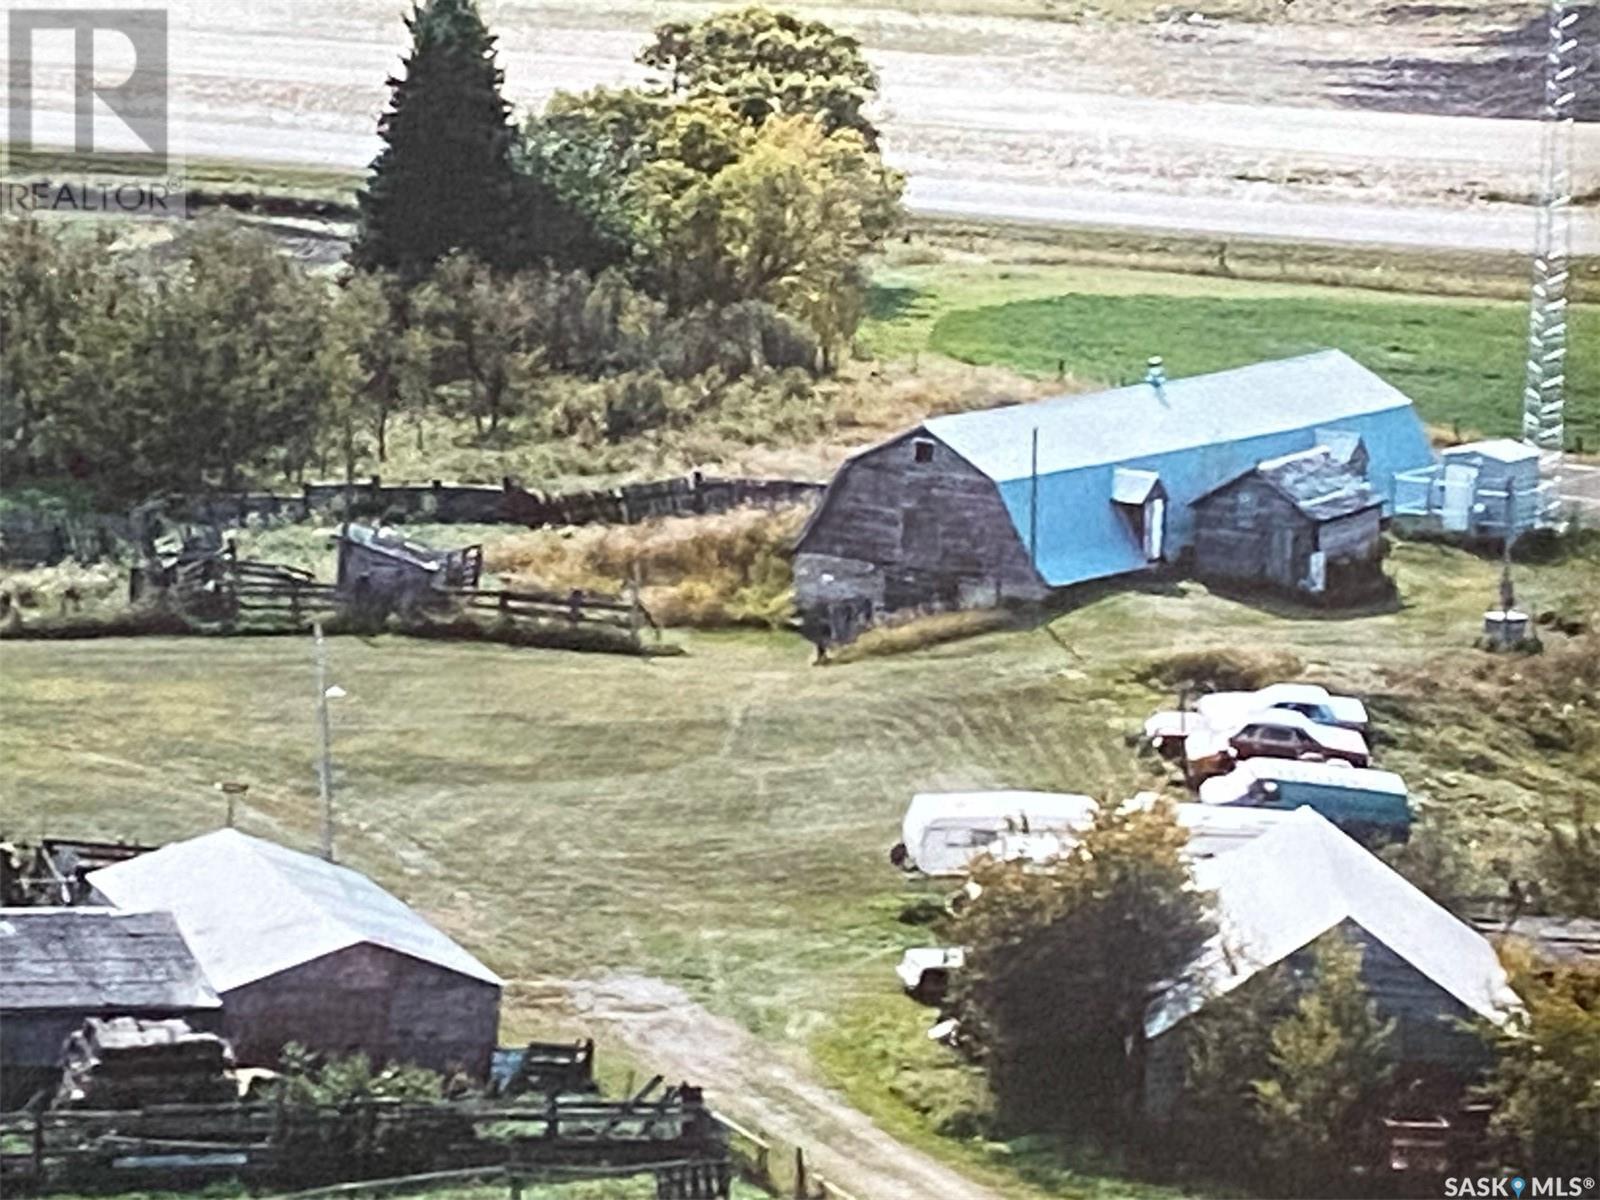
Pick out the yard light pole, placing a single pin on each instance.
(324, 762)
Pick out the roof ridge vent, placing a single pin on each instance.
(1155, 373)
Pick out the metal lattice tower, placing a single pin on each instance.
(1543, 394)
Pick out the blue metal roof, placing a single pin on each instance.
(1193, 434)
(1181, 414)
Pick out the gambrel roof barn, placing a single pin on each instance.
(1018, 501)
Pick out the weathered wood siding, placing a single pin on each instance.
(1427, 1024)
(1249, 530)
(1353, 538)
(906, 533)
(365, 998)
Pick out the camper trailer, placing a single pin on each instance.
(1357, 800)
(944, 831)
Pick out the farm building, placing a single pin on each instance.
(61, 966)
(979, 507)
(1305, 522)
(377, 563)
(1277, 895)
(302, 950)
(1478, 490)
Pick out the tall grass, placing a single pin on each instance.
(728, 569)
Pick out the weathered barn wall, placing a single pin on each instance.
(905, 532)
(1249, 530)
(1352, 537)
(1427, 1031)
(365, 998)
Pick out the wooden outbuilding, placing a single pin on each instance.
(302, 950)
(975, 509)
(1274, 898)
(1303, 523)
(60, 967)
(379, 565)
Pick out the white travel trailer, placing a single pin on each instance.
(944, 831)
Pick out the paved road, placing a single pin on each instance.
(1044, 121)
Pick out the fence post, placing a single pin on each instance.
(38, 1149)
(801, 1191)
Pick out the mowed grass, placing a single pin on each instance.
(1460, 360)
(722, 819)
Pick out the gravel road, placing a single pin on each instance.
(754, 1084)
(1214, 127)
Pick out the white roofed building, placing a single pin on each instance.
(1275, 896)
(302, 950)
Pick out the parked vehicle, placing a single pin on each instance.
(925, 972)
(944, 831)
(1308, 699)
(1273, 734)
(1360, 801)
(1166, 731)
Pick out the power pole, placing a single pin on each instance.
(324, 767)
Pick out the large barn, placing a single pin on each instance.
(61, 966)
(1274, 897)
(1012, 503)
(302, 950)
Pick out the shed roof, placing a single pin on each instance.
(250, 908)
(1287, 888)
(1316, 482)
(1142, 420)
(1500, 449)
(394, 545)
(97, 960)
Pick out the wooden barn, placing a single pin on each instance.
(1305, 522)
(1277, 895)
(302, 950)
(61, 966)
(973, 508)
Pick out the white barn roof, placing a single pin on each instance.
(1282, 891)
(250, 909)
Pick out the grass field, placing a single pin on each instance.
(1460, 360)
(721, 819)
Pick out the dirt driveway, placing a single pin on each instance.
(753, 1083)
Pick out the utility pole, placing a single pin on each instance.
(230, 790)
(324, 767)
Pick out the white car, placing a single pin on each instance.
(1223, 709)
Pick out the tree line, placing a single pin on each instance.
(615, 264)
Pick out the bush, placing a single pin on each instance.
(1219, 669)
(710, 571)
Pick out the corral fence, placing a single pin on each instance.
(780, 1170)
(508, 504)
(673, 1136)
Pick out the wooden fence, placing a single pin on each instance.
(672, 1134)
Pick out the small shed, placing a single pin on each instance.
(302, 950)
(1274, 897)
(61, 966)
(1304, 522)
(1479, 490)
(378, 564)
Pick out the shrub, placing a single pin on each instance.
(727, 569)
(1221, 669)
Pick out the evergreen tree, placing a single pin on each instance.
(444, 180)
